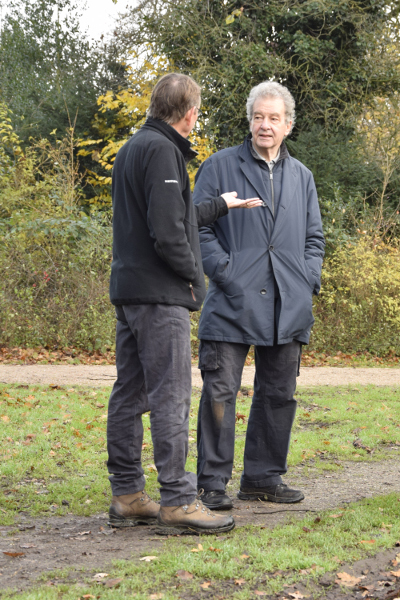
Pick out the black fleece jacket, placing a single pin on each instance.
(156, 249)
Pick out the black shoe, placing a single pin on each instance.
(216, 500)
(274, 493)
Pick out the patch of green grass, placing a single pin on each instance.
(259, 558)
(54, 441)
(53, 451)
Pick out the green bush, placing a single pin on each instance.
(358, 308)
(54, 258)
(55, 293)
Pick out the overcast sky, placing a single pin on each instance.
(100, 15)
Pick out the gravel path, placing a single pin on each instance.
(99, 376)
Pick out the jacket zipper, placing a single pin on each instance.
(271, 178)
(192, 290)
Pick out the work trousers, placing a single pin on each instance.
(271, 416)
(153, 374)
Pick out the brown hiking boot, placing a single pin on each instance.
(192, 519)
(130, 510)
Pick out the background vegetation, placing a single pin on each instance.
(67, 105)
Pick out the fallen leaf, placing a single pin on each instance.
(306, 529)
(84, 533)
(184, 574)
(317, 520)
(156, 596)
(367, 587)
(336, 516)
(297, 595)
(87, 596)
(205, 585)
(5, 418)
(347, 580)
(240, 417)
(366, 542)
(113, 582)
(259, 593)
(148, 558)
(98, 405)
(244, 555)
(27, 546)
(198, 549)
(240, 581)
(395, 573)
(215, 549)
(14, 554)
(100, 575)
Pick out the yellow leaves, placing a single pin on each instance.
(236, 13)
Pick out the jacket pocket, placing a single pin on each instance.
(208, 355)
(246, 271)
(310, 275)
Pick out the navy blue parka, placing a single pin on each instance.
(255, 260)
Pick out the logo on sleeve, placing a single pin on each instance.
(171, 181)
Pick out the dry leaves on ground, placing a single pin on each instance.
(347, 579)
(184, 574)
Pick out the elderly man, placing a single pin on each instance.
(264, 265)
(156, 279)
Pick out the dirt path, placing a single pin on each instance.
(57, 542)
(99, 376)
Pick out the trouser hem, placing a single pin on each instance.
(266, 482)
(181, 501)
(122, 490)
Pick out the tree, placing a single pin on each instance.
(331, 54)
(49, 72)
(120, 114)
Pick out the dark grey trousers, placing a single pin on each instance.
(271, 416)
(154, 374)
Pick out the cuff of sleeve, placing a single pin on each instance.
(222, 207)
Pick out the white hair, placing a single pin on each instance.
(272, 89)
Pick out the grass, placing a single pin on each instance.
(249, 559)
(53, 449)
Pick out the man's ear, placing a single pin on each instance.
(188, 116)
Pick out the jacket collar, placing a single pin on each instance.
(283, 151)
(252, 172)
(176, 138)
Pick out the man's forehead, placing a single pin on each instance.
(269, 104)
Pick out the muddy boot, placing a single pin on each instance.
(191, 519)
(130, 510)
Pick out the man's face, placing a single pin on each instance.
(268, 126)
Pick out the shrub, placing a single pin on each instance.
(54, 258)
(359, 305)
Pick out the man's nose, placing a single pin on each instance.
(265, 124)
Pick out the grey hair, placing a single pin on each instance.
(272, 89)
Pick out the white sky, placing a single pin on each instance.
(99, 17)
